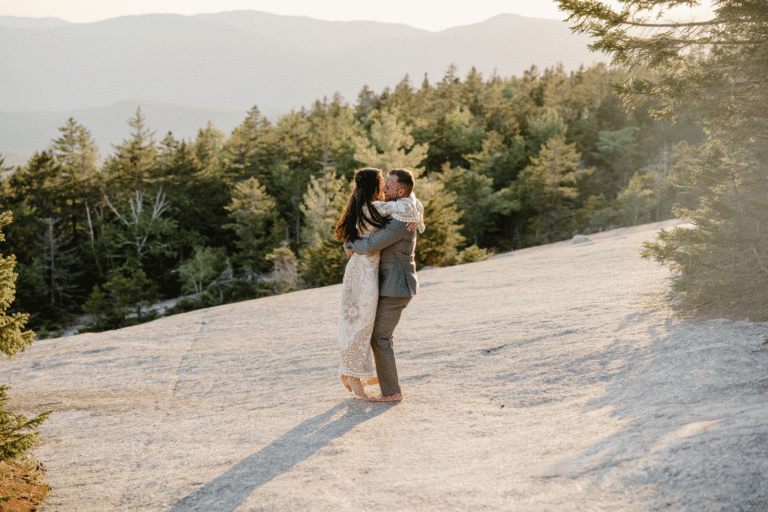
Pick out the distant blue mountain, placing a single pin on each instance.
(228, 62)
(23, 133)
(21, 22)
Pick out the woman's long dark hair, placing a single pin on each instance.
(369, 187)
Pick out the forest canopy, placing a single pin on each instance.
(501, 164)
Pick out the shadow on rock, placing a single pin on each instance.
(230, 490)
(698, 438)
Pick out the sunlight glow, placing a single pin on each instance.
(433, 15)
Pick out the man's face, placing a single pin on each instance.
(391, 188)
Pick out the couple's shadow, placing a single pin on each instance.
(228, 491)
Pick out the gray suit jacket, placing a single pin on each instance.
(397, 269)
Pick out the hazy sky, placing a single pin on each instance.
(428, 14)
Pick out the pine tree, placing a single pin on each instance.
(61, 265)
(322, 205)
(284, 269)
(636, 200)
(472, 254)
(333, 129)
(12, 340)
(200, 270)
(500, 160)
(3, 168)
(716, 71)
(32, 293)
(39, 185)
(323, 264)
(245, 153)
(322, 261)
(127, 292)
(253, 211)
(481, 206)
(295, 159)
(132, 292)
(133, 167)
(145, 230)
(457, 135)
(471, 92)
(721, 262)
(367, 103)
(77, 154)
(619, 154)
(556, 88)
(166, 150)
(544, 127)
(402, 98)
(104, 310)
(448, 92)
(548, 188)
(391, 145)
(438, 245)
(208, 148)
(17, 433)
(196, 199)
(48, 260)
(500, 104)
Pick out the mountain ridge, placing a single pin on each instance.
(23, 133)
(29, 22)
(229, 62)
(187, 60)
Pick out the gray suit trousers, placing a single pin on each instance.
(387, 317)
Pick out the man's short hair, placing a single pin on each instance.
(404, 177)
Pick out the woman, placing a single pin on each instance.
(364, 214)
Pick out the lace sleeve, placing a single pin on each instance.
(385, 207)
(409, 209)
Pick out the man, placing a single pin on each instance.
(397, 281)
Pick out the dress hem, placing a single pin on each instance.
(364, 377)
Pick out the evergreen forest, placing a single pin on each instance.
(501, 164)
(714, 71)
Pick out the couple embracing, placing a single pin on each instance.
(378, 227)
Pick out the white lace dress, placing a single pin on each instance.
(360, 294)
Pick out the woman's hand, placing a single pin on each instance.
(348, 252)
(412, 226)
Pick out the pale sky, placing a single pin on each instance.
(427, 14)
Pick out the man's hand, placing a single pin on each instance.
(348, 252)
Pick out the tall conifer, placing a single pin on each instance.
(17, 433)
(133, 166)
(391, 144)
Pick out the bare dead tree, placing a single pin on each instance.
(141, 231)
